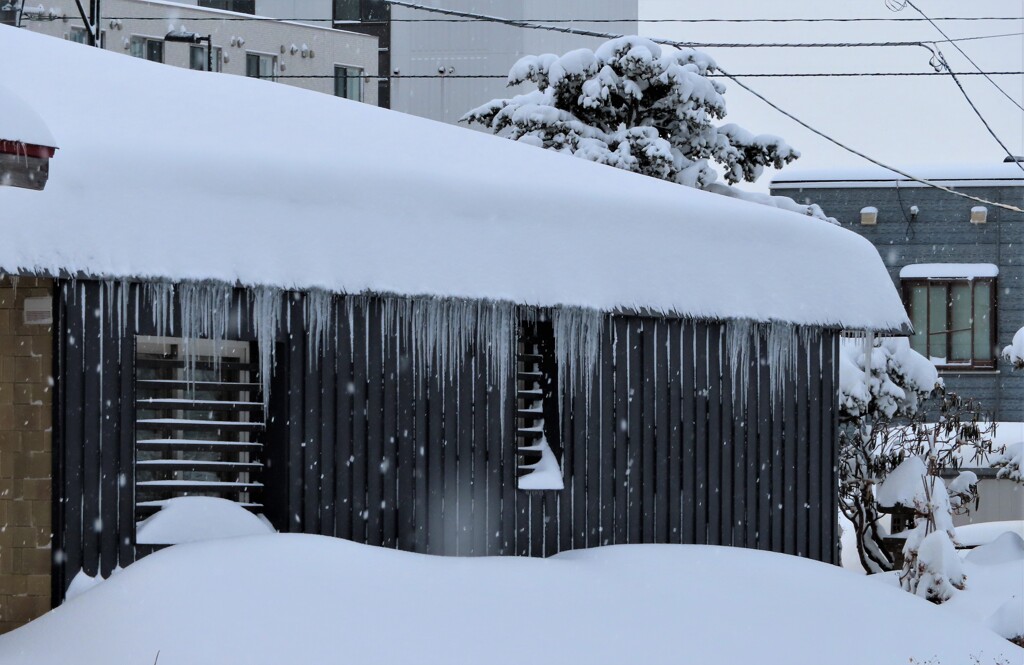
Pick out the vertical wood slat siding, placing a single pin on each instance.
(94, 434)
(662, 455)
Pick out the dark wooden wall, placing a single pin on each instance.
(364, 447)
(663, 454)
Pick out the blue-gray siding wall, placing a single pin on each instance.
(942, 233)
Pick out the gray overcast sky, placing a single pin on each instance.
(901, 121)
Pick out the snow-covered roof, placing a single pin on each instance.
(948, 270)
(998, 174)
(175, 174)
(19, 123)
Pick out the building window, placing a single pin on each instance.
(150, 49)
(954, 320)
(348, 83)
(197, 58)
(81, 36)
(240, 6)
(538, 431)
(360, 10)
(260, 66)
(199, 422)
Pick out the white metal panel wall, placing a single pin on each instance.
(482, 49)
(329, 47)
(321, 11)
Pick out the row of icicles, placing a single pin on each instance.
(440, 332)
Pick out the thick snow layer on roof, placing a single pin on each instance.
(292, 598)
(963, 175)
(952, 270)
(170, 173)
(18, 122)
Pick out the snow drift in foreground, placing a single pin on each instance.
(293, 598)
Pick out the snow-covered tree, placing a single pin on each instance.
(1014, 353)
(881, 405)
(632, 106)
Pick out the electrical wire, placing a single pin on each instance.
(733, 78)
(760, 75)
(599, 20)
(963, 53)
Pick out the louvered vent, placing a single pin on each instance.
(199, 432)
(537, 431)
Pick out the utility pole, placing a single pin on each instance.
(91, 21)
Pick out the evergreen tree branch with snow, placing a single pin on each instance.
(631, 105)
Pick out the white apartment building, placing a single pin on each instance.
(314, 57)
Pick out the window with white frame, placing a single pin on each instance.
(348, 82)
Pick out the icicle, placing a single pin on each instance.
(160, 295)
(205, 312)
(739, 336)
(577, 348)
(318, 309)
(265, 303)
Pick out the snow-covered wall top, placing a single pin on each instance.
(998, 174)
(18, 122)
(951, 270)
(175, 174)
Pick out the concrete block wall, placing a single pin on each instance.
(26, 390)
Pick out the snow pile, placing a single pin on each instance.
(983, 533)
(207, 603)
(995, 595)
(189, 519)
(783, 202)
(996, 572)
(545, 474)
(939, 572)
(19, 123)
(899, 380)
(1014, 352)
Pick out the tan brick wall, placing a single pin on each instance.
(26, 390)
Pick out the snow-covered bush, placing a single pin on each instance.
(881, 409)
(1009, 462)
(630, 105)
(931, 567)
(1014, 353)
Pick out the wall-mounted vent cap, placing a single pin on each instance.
(979, 215)
(869, 216)
(38, 311)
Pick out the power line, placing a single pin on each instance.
(734, 79)
(29, 16)
(885, 44)
(963, 53)
(752, 75)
